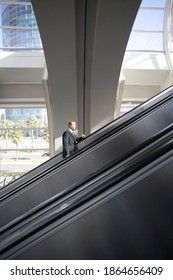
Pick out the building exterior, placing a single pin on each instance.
(16, 114)
(19, 26)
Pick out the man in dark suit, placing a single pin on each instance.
(70, 140)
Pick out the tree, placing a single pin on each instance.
(46, 135)
(32, 122)
(21, 124)
(16, 138)
(4, 125)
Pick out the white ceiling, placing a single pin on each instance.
(21, 67)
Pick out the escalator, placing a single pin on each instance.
(67, 199)
(112, 129)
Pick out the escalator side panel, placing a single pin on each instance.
(135, 224)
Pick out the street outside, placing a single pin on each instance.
(28, 155)
(25, 162)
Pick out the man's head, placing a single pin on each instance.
(72, 125)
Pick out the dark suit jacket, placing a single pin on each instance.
(69, 141)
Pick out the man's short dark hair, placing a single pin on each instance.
(70, 123)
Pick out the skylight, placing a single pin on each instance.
(148, 29)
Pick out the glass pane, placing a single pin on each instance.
(17, 15)
(25, 143)
(146, 41)
(28, 1)
(153, 3)
(14, 38)
(149, 20)
(25, 33)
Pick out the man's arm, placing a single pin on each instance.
(79, 139)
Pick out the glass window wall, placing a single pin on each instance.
(148, 30)
(146, 49)
(24, 141)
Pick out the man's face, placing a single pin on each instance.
(73, 126)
